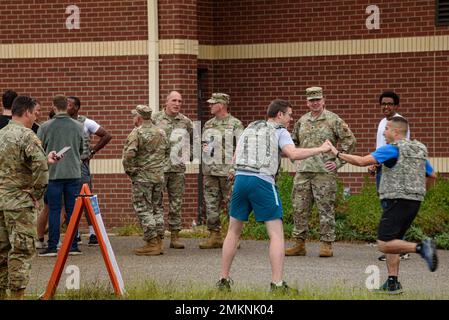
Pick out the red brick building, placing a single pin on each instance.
(132, 52)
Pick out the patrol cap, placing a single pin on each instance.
(219, 98)
(314, 93)
(142, 110)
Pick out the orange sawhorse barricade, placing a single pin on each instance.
(84, 200)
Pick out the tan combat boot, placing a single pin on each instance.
(152, 248)
(326, 249)
(17, 294)
(298, 249)
(175, 242)
(214, 241)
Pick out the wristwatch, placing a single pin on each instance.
(92, 153)
(338, 155)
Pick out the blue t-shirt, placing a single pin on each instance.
(388, 155)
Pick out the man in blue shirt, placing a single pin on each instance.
(401, 191)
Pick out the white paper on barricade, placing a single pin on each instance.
(116, 269)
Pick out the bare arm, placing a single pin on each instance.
(301, 153)
(105, 137)
(353, 159)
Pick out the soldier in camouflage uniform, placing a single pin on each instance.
(178, 129)
(316, 177)
(219, 134)
(144, 155)
(401, 190)
(23, 180)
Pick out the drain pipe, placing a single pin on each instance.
(153, 54)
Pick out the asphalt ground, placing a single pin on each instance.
(251, 268)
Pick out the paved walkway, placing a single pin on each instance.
(251, 267)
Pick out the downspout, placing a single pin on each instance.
(153, 54)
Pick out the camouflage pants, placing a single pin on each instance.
(320, 188)
(174, 184)
(216, 190)
(147, 202)
(17, 234)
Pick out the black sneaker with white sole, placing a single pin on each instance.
(93, 241)
(48, 253)
(75, 252)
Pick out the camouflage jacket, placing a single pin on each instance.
(145, 153)
(309, 132)
(179, 131)
(221, 137)
(24, 168)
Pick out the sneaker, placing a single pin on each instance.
(75, 252)
(224, 284)
(58, 246)
(41, 245)
(93, 241)
(429, 253)
(48, 253)
(390, 288)
(382, 258)
(402, 256)
(78, 239)
(283, 289)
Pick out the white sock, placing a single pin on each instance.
(278, 284)
(91, 230)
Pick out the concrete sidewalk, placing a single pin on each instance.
(251, 267)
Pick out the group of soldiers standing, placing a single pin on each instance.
(148, 159)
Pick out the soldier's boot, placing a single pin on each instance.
(175, 242)
(298, 249)
(152, 248)
(326, 249)
(161, 243)
(17, 294)
(214, 241)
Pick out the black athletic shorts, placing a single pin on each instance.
(397, 217)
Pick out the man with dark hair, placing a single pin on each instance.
(55, 134)
(389, 103)
(37, 112)
(316, 177)
(90, 128)
(23, 179)
(401, 190)
(257, 160)
(7, 100)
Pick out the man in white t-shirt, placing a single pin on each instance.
(389, 102)
(90, 128)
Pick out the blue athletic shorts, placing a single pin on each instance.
(251, 193)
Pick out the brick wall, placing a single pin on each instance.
(289, 20)
(45, 21)
(109, 87)
(352, 86)
(178, 19)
